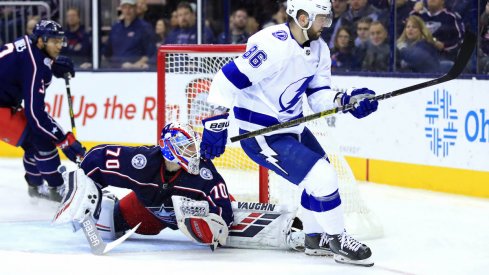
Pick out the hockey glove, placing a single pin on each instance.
(63, 65)
(72, 148)
(215, 136)
(361, 98)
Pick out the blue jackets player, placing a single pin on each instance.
(26, 69)
(265, 86)
(155, 174)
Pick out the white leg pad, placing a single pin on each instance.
(105, 223)
(322, 180)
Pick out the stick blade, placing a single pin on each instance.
(115, 243)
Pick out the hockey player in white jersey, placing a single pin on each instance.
(264, 87)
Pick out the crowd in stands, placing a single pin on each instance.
(424, 39)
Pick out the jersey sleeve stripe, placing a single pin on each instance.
(235, 76)
(257, 118)
(31, 107)
(122, 176)
(310, 91)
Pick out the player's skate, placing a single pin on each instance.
(317, 245)
(347, 250)
(38, 191)
(56, 193)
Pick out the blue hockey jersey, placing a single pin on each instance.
(25, 74)
(142, 170)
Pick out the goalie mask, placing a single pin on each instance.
(180, 144)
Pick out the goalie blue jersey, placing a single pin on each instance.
(25, 75)
(142, 170)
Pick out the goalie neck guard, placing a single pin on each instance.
(180, 144)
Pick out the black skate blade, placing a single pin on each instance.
(343, 260)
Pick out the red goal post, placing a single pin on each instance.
(162, 62)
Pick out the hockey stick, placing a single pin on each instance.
(463, 57)
(67, 77)
(97, 245)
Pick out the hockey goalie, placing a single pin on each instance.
(171, 187)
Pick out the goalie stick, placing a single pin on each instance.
(97, 245)
(463, 57)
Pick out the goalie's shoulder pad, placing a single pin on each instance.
(208, 171)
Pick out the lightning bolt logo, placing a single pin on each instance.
(269, 153)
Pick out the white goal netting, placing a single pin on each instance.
(186, 74)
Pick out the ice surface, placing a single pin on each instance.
(425, 233)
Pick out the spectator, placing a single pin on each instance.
(78, 46)
(446, 27)
(417, 52)
(279, 17)
(342, 56)
(362, 30)
(186, 32)
(359, 9)
(339, 7)
(174, 20)
(378, 51)
(130, 43)
(161, 30)
(238, 34)
(253, 26)
(141, 9)
(403, 10)
(31, 23)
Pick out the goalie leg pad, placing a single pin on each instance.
(264, 226)
(105, 223)
(82, 196)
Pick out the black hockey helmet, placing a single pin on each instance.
(48, 29)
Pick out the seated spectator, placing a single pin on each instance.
(31, 23)
(446, 27)
(130, 43)
(417, 52)
(78, 48)
(161, 31)
(279, 17)
(362, 30)
(238, 34)
(174, 20)
(342, 54)
(403, 10)
(252, 26)
(186, 32)
(377, 54)
(359, 9)
(339, 7)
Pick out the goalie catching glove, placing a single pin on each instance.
(195, 221)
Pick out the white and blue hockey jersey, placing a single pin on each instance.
(265, 86)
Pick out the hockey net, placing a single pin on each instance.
(184, 76)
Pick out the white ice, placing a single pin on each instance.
(425, 233)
